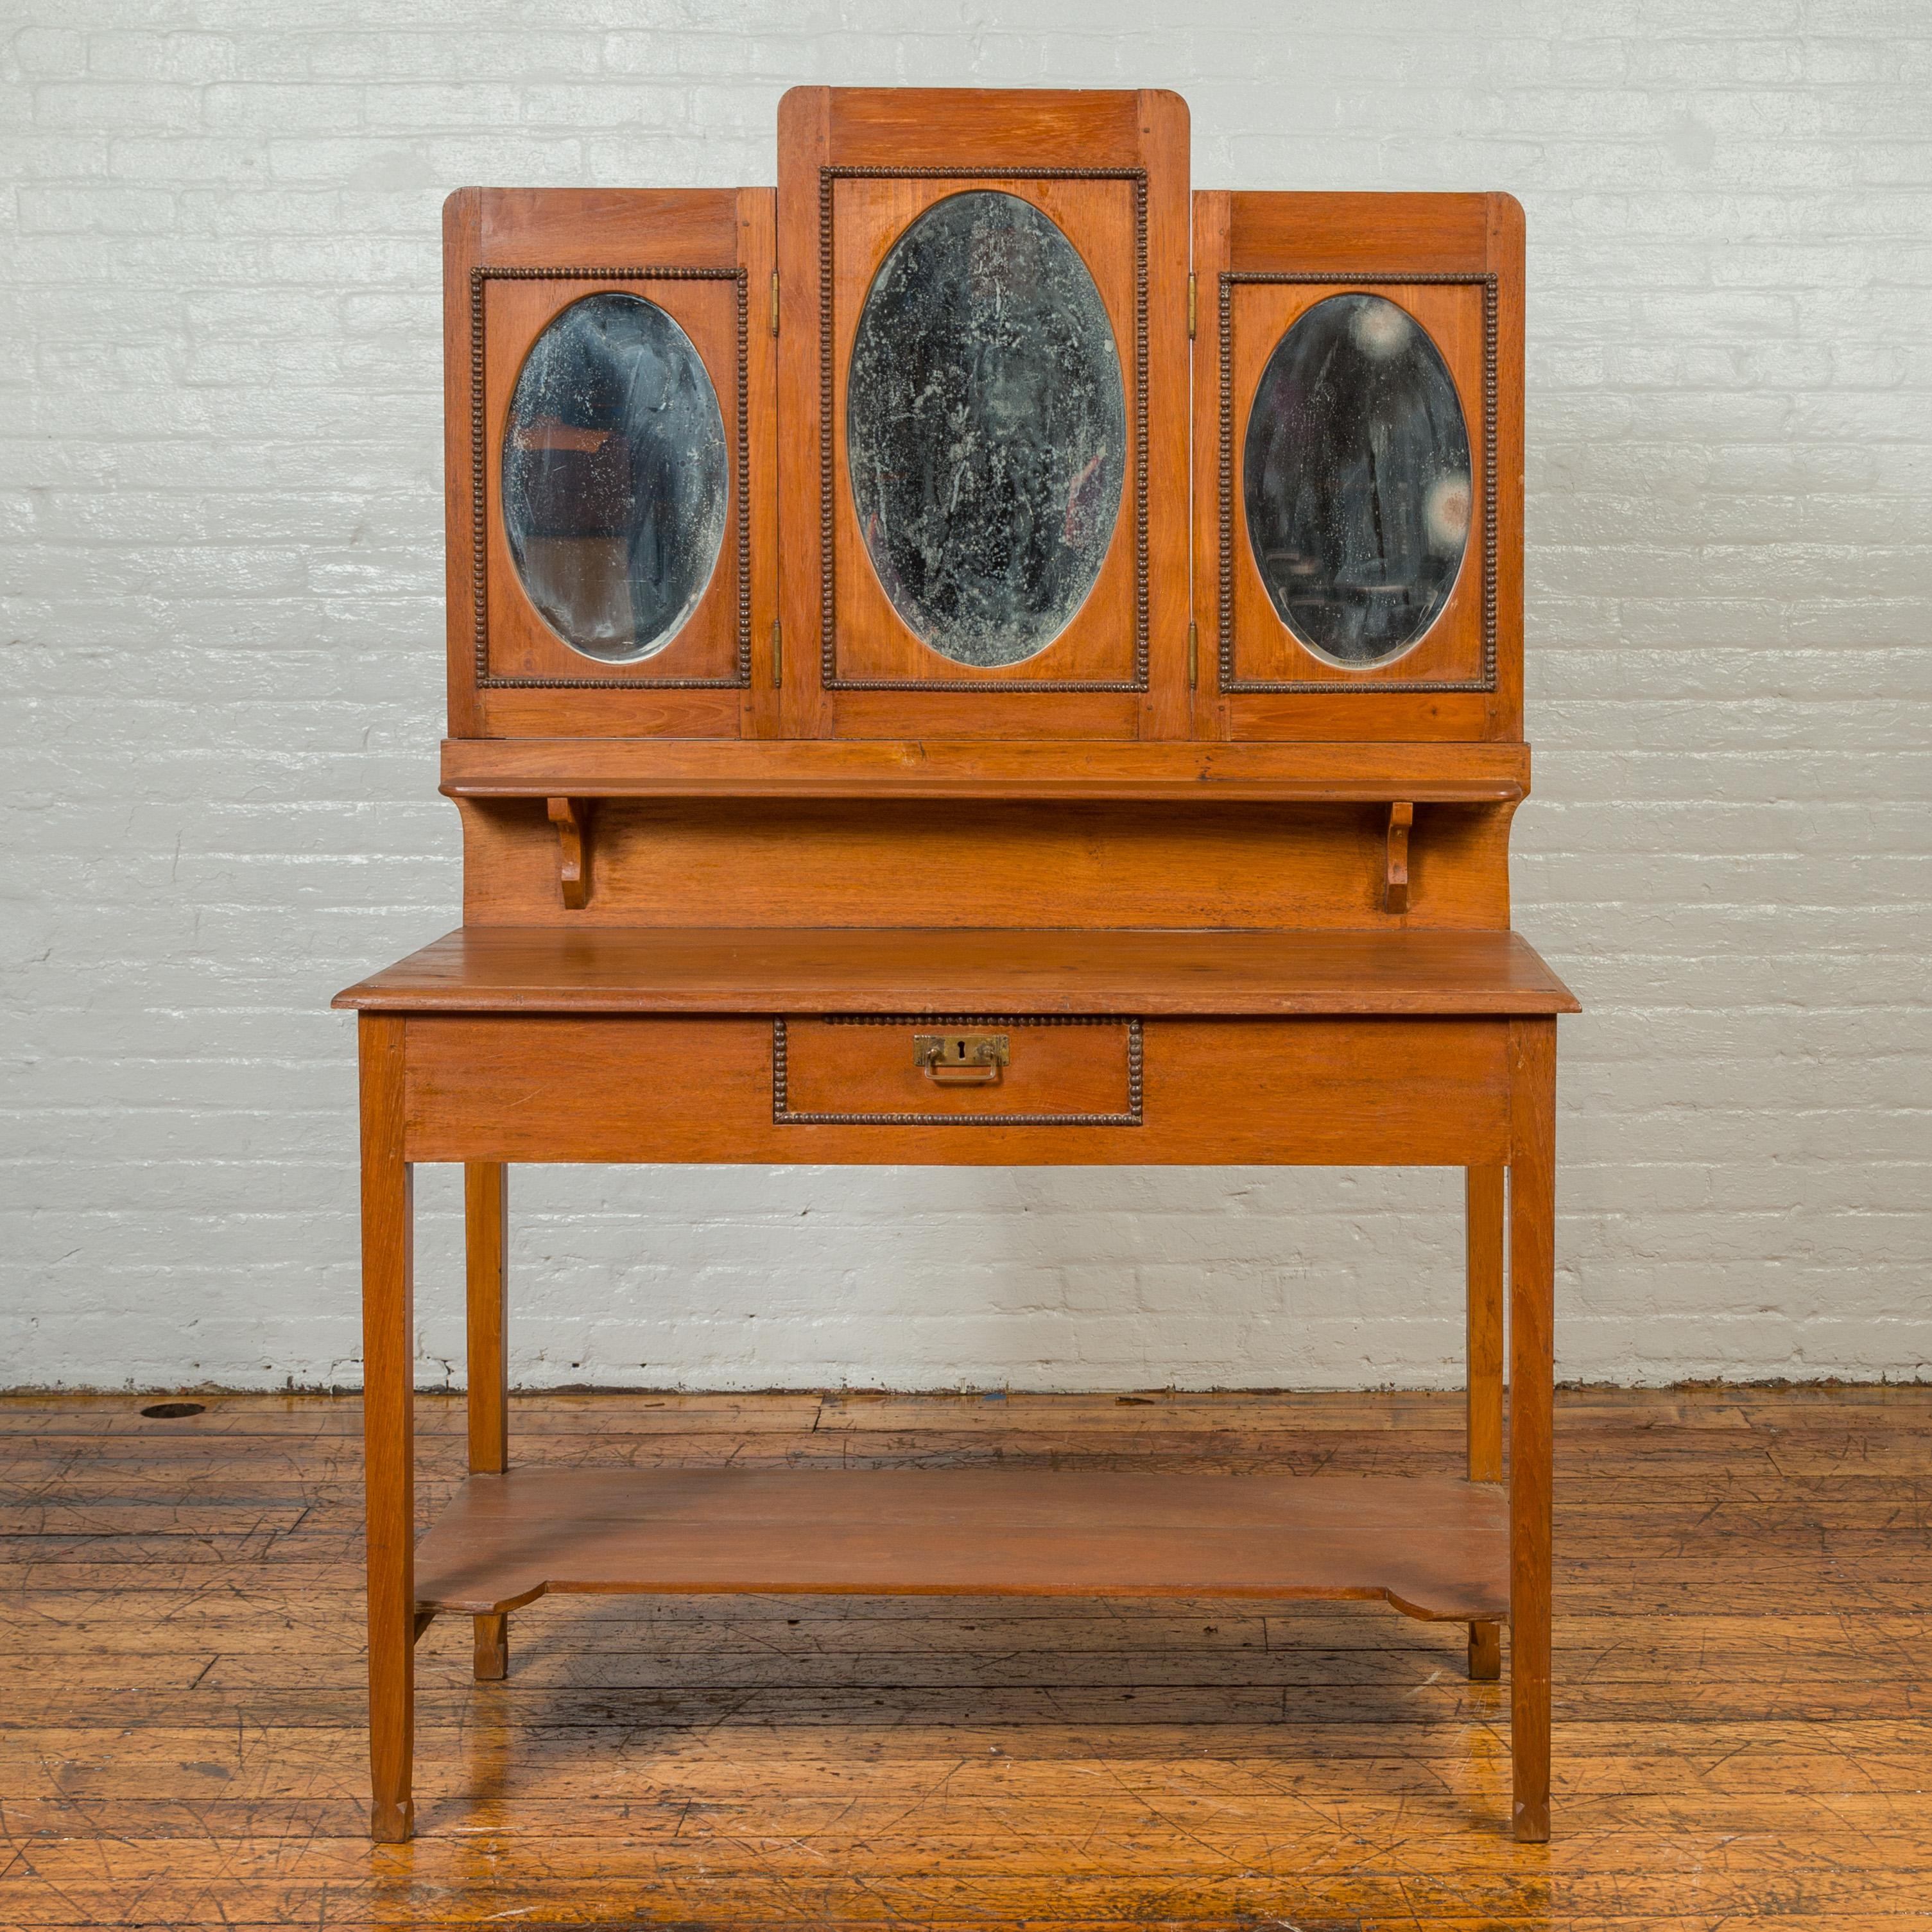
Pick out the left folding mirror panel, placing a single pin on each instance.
(610, 405)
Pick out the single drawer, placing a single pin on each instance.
(927, 1069)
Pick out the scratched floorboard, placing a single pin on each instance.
(1743, 1735)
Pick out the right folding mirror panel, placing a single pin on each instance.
(1355, 481)
(1357, 489)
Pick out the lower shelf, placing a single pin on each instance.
(1434, 1547)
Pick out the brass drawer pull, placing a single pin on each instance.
(961, 1059)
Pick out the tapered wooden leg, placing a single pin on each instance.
(486, 1218)
(1484, 1198)
(1532, 1300)
(388, 1428)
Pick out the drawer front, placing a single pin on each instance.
(668, 1088)
(955, 1069)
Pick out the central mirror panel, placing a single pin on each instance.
(615, 477)
(986, 429)
(1356, 480)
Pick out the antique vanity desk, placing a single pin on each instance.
(977, 657)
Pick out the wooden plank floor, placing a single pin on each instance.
(1742, 1734)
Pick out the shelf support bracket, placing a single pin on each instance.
(1401, 817)
(571, 817)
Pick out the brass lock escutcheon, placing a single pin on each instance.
(961, 1059)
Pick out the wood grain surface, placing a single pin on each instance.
(1532, 1262)
(486, 1242)
(1485, 1221)
(554, 1087)
(776, 969)
(1433, 1549)
(977, 863)
(388, 1354)
(814, 768)
(1741, 1736)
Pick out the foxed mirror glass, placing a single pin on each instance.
(615, 481)
(986, 428)
(1356, 480)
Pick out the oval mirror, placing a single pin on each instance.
(615, 479)
(1355, 477)
(985, 428)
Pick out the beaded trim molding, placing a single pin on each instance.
(782, 1116)
(478, 479)
(828, 653)
(1365, 683)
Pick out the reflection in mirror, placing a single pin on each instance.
(615, 479)
(985, 428)
(1356, 479)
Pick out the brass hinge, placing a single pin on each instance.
(1193, 657)
(1190, 308)
(778, 656)
(775, 301)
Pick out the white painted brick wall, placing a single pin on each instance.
(220, 510)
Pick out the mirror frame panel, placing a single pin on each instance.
(514, 259)
(517, 647)
(847, 157)
(1256, 650)
(960, 138)
(870, 645)
(1104, 642)
(1455, 261)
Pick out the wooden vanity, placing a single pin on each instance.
(979, 657)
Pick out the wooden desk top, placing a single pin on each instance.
(544, 969)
